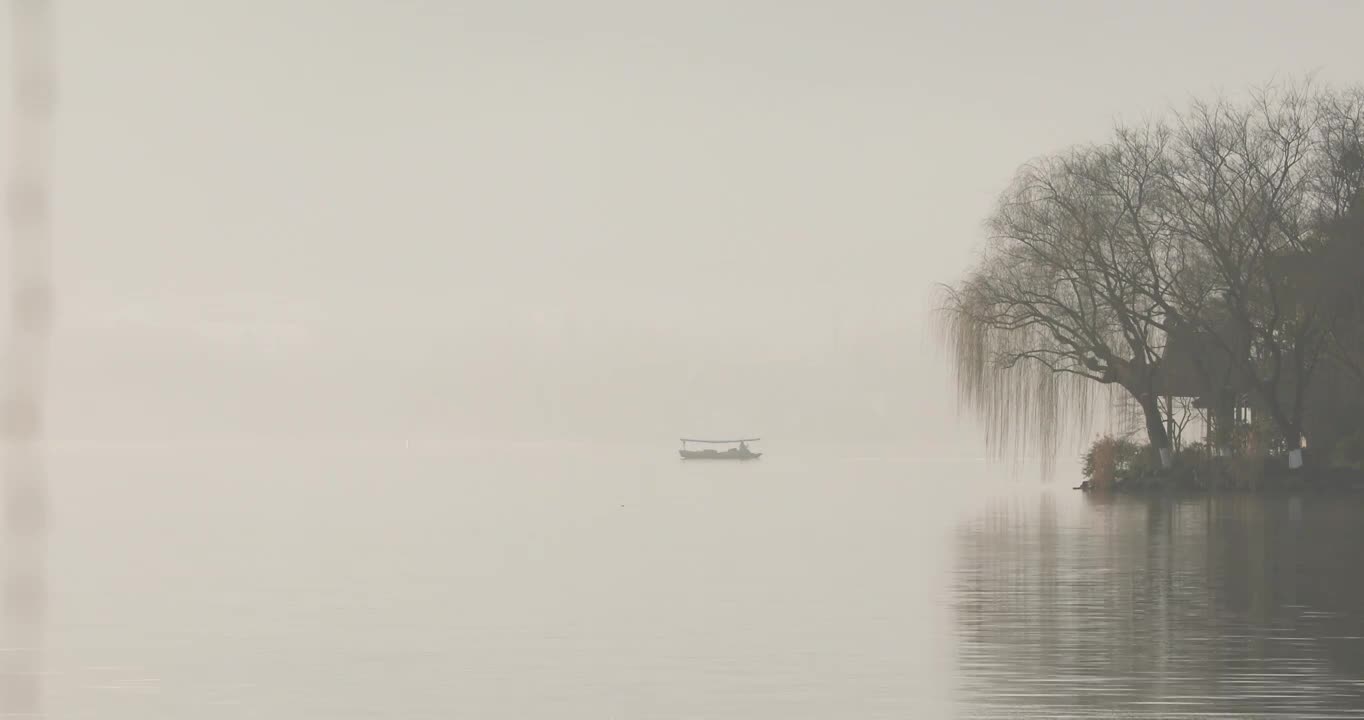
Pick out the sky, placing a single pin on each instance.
(594, 221)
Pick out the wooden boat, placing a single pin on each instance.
(739, 452)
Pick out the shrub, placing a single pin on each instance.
(1110, 460)
(1349, 451)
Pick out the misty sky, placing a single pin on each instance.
(574, 220)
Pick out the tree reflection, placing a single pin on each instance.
(1160, 606)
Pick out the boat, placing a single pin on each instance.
(740, 450)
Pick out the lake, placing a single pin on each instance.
(575, 582)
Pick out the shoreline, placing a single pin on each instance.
(1347, 480)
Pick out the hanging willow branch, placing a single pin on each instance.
(25, 496)
(1015, 379)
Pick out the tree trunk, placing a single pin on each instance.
(1155, 429)
(1223, 422)
(1293, 443)
(1290, 431)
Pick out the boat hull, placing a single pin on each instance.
(713, 455)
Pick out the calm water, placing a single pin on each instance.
(1242, 606)
(625, 584)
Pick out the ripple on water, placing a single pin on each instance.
(1157, 608)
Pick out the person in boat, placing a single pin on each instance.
(743, 448)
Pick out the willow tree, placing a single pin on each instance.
(1058, 305)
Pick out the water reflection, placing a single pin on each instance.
(1234, 606)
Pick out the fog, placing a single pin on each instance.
(294, 221)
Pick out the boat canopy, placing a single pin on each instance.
(720, 442)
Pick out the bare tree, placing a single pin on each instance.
(1345, 321)
(1340, 192)
(1245, 198)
